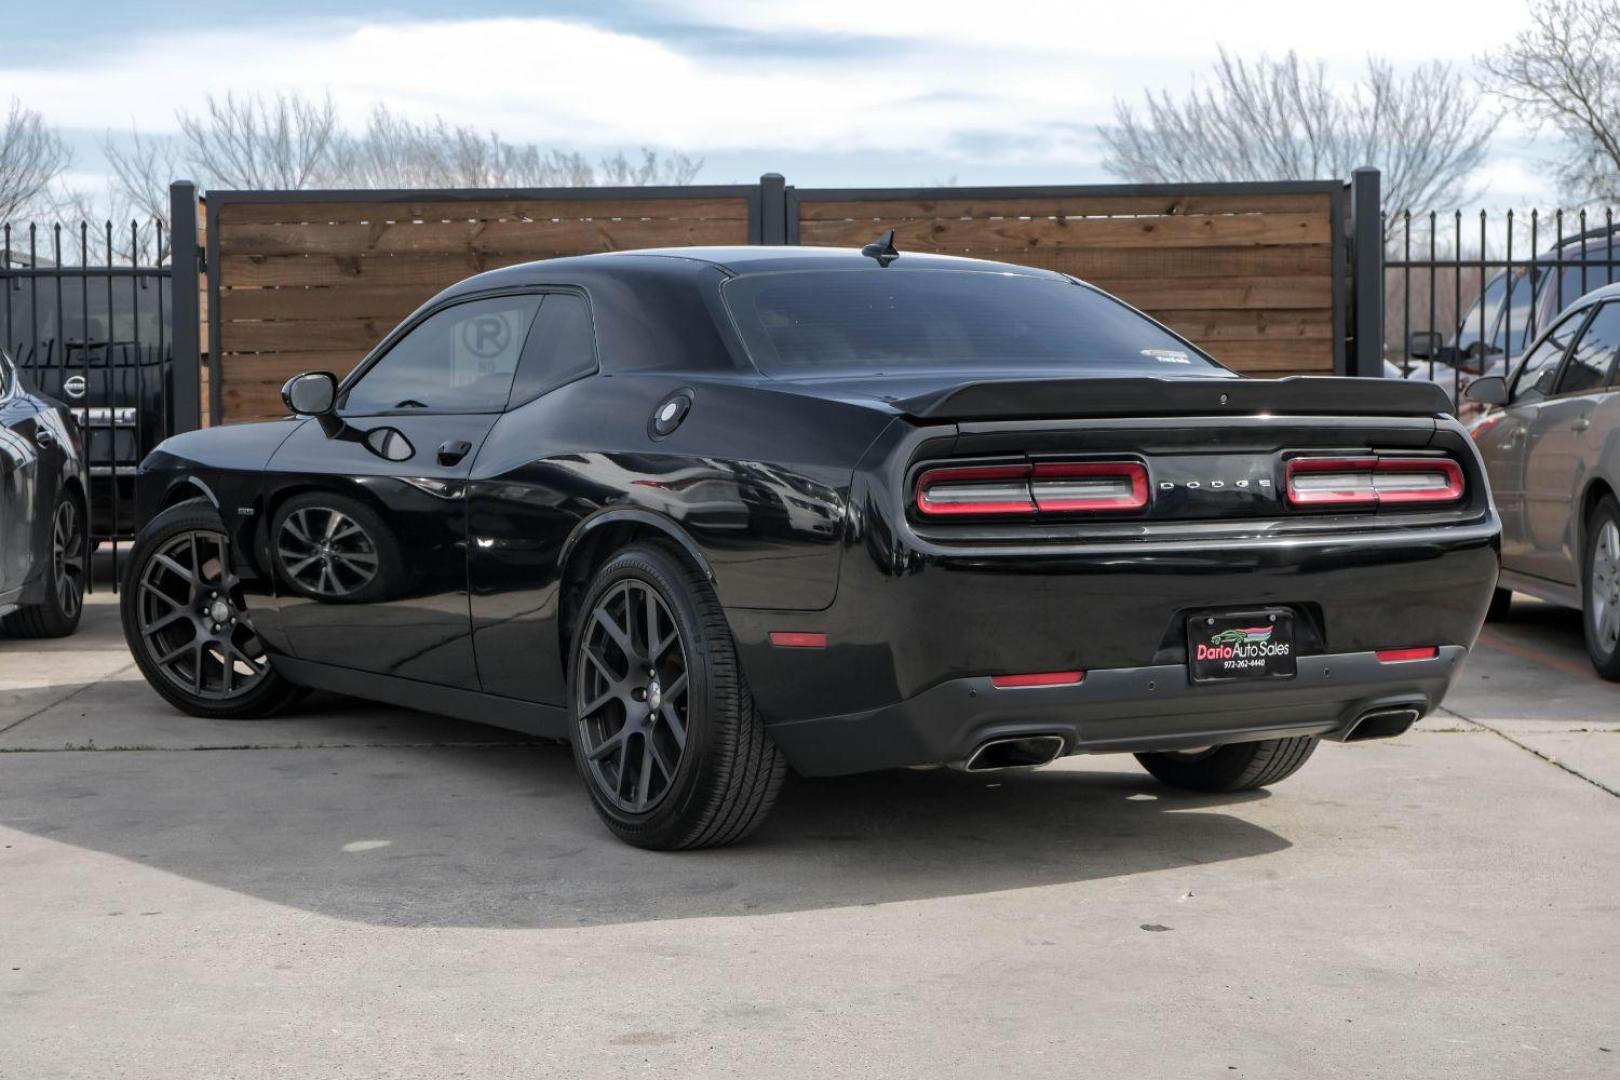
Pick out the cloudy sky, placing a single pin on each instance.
(828, 92)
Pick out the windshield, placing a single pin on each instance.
(882, 321)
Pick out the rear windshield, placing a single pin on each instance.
(878, 321)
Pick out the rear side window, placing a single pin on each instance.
(561, 348)
(1593, 356)
(883, 321)
(1535, 378)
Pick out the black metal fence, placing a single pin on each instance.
(1466, 295)
(86, 312)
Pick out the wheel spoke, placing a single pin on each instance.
(644, 779)
(179, 571)
(614, 631)
(676, 688)
(673, 721)
(606, 696)
(301, 564)
(158, 594)
(610, 744)
(650, 602)
(602, 665)
(255, 666)
(177, 615)
(349, 562)
(658, 759)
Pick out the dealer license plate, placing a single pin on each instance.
(1241, 645)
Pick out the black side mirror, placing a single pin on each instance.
(1489, 390)
(1423, 344)
(314, 393)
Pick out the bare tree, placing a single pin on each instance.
(1565, 71)
(1284, 120)
(32, 157)
(280, 143)
(395, 152)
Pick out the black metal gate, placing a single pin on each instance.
(96, 336)
(88, 314)
(1468, 296)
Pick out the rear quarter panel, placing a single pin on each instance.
(757, 479)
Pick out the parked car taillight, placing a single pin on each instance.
(1048, 487)
(1372, 481)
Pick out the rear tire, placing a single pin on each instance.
(1600, 594)
(178, 571)
(59, 610)
(1237, 767)
(1501, 604)
(665, 734)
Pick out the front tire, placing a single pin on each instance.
(665, 733)
(187, 624)
(1600, 607)
(58, 612)
(1237, 767)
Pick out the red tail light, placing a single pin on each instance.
(1045, 678)
(1372, 481)
(1049, 487)
(976, 489)
(1395, 656)
(1090, 485)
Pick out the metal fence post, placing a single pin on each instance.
(773, 209)
(185, 400)
(1367, 275)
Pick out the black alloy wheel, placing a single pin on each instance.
(665, 733)
(193, 621)
(187, 623)
(632, 699)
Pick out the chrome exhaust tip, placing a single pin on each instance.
(1013, 752)
(1385, 723)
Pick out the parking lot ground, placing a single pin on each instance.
(354, 890)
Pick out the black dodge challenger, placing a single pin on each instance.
(711, 513)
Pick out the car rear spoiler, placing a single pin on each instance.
(1299, 395)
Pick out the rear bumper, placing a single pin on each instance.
(1117, 709)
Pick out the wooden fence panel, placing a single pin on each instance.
(1252, 273)
(1247, 275)
(306, 283)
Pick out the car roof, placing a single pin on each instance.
(733, 261)
(1602, 292)
(762, 258)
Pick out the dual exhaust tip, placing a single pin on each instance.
(1029, 751)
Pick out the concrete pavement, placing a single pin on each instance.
(363, 891)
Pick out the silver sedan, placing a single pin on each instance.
(1551, 444)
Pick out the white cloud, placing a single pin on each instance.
(1027, 85)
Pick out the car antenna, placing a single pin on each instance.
(882, 249)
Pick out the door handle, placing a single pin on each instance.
(44, 437)
(1580, 425)
(453, 451)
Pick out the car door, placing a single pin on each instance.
(19, 473)
(1502, 444)
(523, 507)
(1561, 450)
(368, 526)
